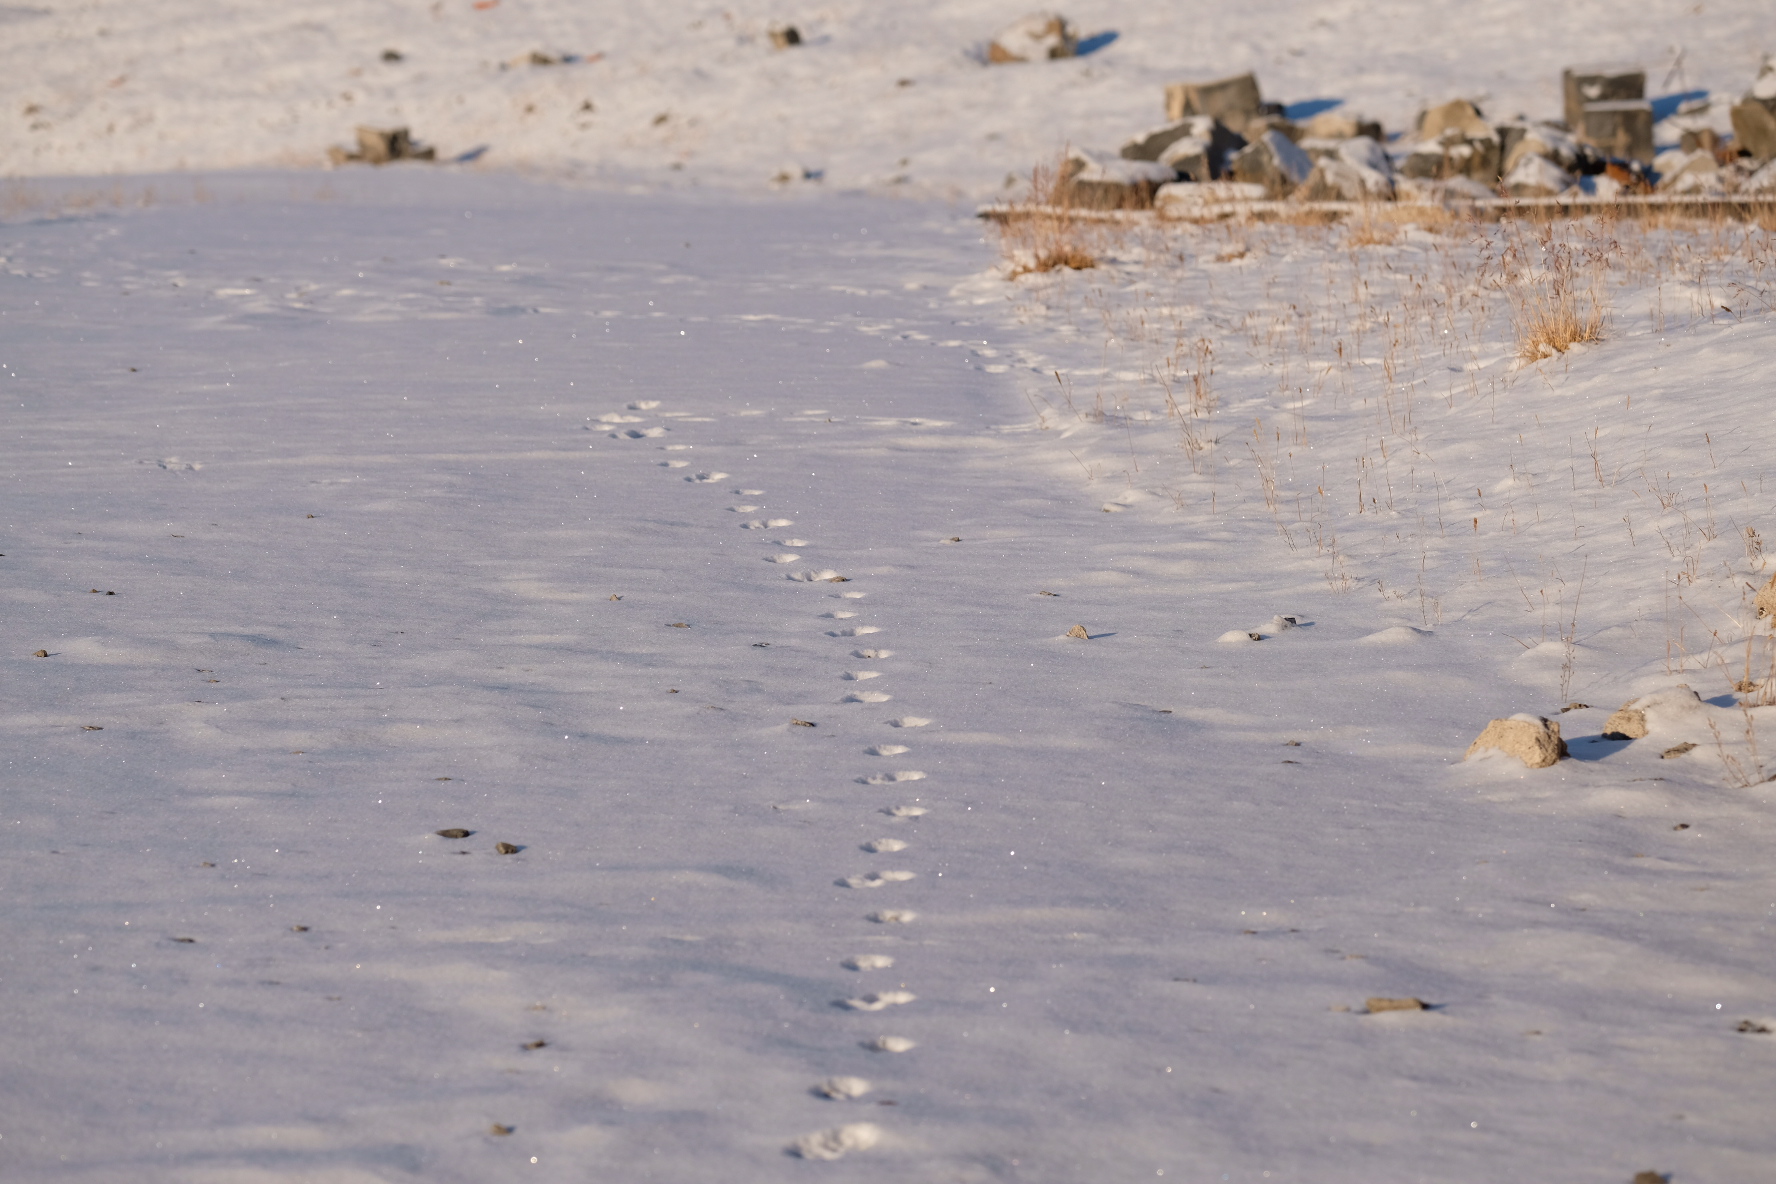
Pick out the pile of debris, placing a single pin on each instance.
(380, 145)
(1223, 142)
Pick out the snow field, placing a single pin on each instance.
(1154, 879)
(884, 98)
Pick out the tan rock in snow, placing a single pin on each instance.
(1231, 100)
(1041, 36)
(1627, 722)
(1532, 739)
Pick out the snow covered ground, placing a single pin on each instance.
(563, 460)
(721, 548)
(885, 97)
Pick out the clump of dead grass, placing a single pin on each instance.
(1556, 292)
(1046, 232)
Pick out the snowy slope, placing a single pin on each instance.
(880, 97)
(366, 467)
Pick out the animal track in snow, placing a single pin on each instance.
(872, 653)
(775, 522)
(753, 524)
(677, 447)
(843, 1088)
(619, 417)
(906, 811)
(644, 404)
(825, 574)
(740, 509)
(838, 614)
(885, 750)
(875, 879)
(639, 434)
(868, 962)
(855, 631)
(860, 675)
(792, 542)
(837, 1141)
(877, 1000)
(852, 595)
(784, 557)
(750, 492)
(1264, 632)
(890, 1044)
(891, 778)
(909, 721)
(895, 917)
(706, 478)
(866, 697)
(675, 464)
(885, 846)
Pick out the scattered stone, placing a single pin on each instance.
(533, 1045)
(41, 654)
(393, 55)
(1454, 141)
(1582, 85)
(1380, 1003)
(1041, 36)
(785, 36)
(1357, 169)
(298, 929)
(1754, 1028)
(1575, 706)
(1695, 171)
(1651, 1178)
(836, 1142)
(1622, 129)
(1537, 176)
(1627, 722)
(802, 723)
(1532, 739)
(1079, 632)
(1273, 161)
(454, 832)
(1677, 750)
(500, 1128)
(187, 941)
(1335, 125)
(1095, 181)
(507, 848)
(678, 625)
(1231, 100)
(92, 727)
(378, 145)
(1754, 127)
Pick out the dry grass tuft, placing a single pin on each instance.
(1048, 234)
(1556, 300)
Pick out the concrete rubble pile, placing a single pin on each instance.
(1222, 141)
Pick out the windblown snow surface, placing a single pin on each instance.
(718, 562)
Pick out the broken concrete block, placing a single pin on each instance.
(1620, 128)
(1151, 145)
(1532, 739)
(1458, 114)
(1754, 127)
(1688, 172)
(380, 146)
(1039, 37)
(1337, 179)
(1231, 100)
(1273, 161)
(1336, 125)
(1537, 176)
(1538, 139)
(1454, 141)
(1626, 722)
(1582, 85)
(1097, 181)
(1189, 200)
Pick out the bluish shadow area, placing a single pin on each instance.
(1665, 106)
(1094, 43)
(1727, 700)
(1309, 108)
(1593, 748)
(471, 155)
